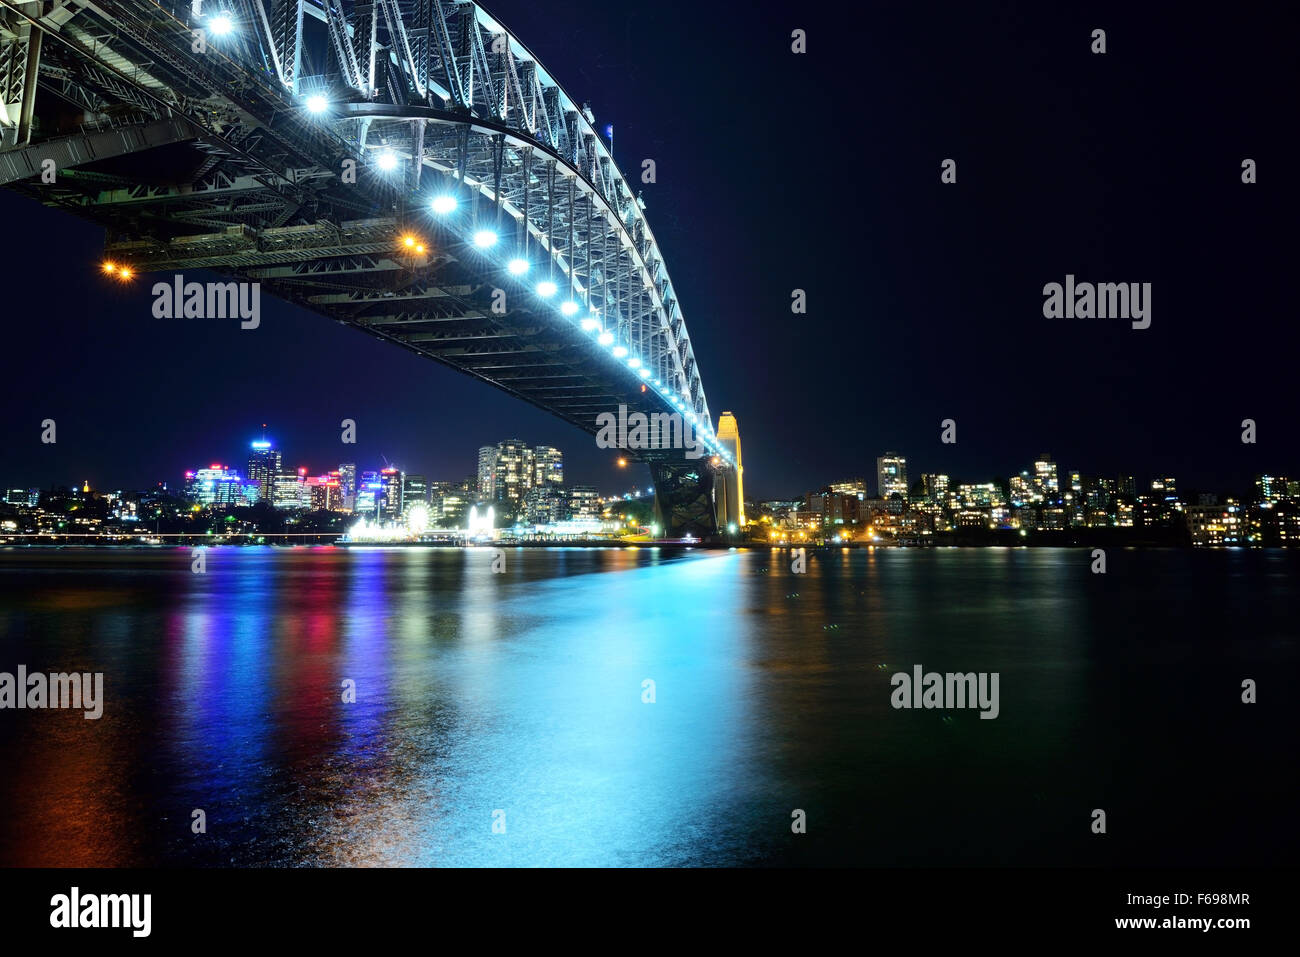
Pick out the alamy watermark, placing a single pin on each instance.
(946, 691)
(55, 690)
(75, 909)
(659, 430)
(1103, 300)
(214, 300)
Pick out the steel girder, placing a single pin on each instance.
(466, 109)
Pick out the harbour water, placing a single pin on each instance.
(520, 699)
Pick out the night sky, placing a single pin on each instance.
(776, 172)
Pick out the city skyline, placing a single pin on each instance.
(623, 475)
(955, 330)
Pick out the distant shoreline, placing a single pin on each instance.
(14, 547)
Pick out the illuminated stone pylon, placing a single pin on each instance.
(732, 506)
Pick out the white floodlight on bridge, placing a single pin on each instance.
(444, 205)
(485, 238)
(387, 161)
(606, 338)
(546, 289)
(643, 372)
(317, 103)
(569, 308)
(634, 363)
(221, 24)
(619, 351)
(517, 266)
(590, 324)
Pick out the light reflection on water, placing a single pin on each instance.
(523, 692)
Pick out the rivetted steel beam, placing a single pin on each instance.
(70, 151)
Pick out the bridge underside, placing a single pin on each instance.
(212, 161)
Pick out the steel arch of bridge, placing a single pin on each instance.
(440, 87)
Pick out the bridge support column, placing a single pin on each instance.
(686, 498)
(20, 60)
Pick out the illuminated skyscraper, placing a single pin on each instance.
(1024, 489)
(548, 467)
(215, 485)
(348, 485)
(513, 472)
(325, 492)
(390, 493)
(367, 494)
(734, 481)
(290, 490)
(264, 467)
(487, 463)
(1045, 480)
(1272, 488)
(891, 475)
(414, 489)
(935, 487)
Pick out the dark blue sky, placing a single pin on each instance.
(777, 172)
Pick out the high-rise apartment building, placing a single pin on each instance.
(1046, 483)
(487, 463)
(548, 467)
(891, 475)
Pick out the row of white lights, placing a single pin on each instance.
(222, 24)
(486, 238)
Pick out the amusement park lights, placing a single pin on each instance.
(442, 205)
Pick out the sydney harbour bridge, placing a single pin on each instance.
(406, 167)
